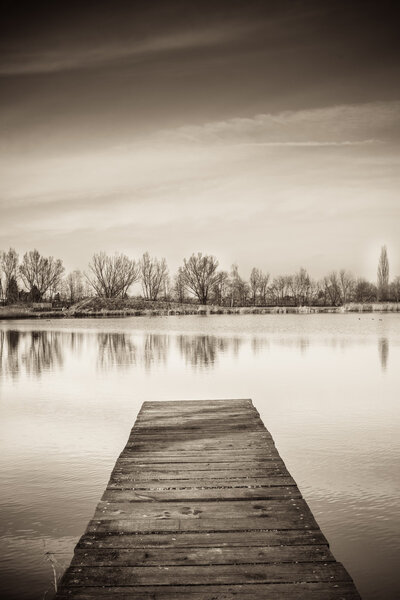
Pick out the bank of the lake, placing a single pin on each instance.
(137, 307)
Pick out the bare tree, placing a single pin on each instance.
(179, 286)
(395, 289)
(300, 286)
(258, 286)
(315, 293)
(200, 275)
(88, 290)
(154, 274)
(280, 288)
(255, 279)
(364, 291)
(74, 286)
(332, 288)
(112, 276)
(240, 289)
(167, 288)
(40, 274)
(221, 288)
(383, 275)
(9, 267)
(263, 287)
(346, 282)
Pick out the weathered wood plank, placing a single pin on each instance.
(163, 420)
(278, 537)
(209, 458)
(275, 521)
(197, 575)
(193, 494)
(202, 438)
(200, 556)
(189, 445)
(206, 439)
(195, 418)
(201, 510)
(132, 465)
(147, 474)
(270, 591)
(131, 483)
(179, 404)
(212, 431)
(201, 506)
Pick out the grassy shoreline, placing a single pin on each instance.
(96, 308)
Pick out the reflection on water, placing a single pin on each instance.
(36, 351)
(115, 349)
(326, 386)
(32, 352)
(383, 346)
(202, 350)
(155, 350)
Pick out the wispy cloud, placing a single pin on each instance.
(358, 124)
(217, 180)
(169, 159)
(63, 59)
(313, 144)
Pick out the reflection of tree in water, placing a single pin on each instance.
(383, 347)
(115, 349)
(303, 344)
(31, 352)
(202, 350)
(237, 342)
(76, 341)
(119, 350)
(44, 353)
(258, 344)
(156, 348)
(9, 362)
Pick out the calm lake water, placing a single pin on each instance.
(326, 386)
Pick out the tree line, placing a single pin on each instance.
(35, 278)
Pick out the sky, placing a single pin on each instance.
(264, 133)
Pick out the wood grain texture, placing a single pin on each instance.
(293, 591)
(201, 506)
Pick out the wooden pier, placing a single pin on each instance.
(201, 506)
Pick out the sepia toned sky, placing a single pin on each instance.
(266, 133)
